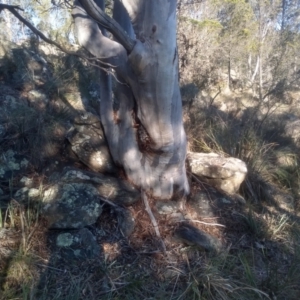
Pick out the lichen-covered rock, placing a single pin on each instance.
(79, 245)
(226, 174)
(71, 205)
(191, 235)
(88, 142)
(112, 188)
(11, 164)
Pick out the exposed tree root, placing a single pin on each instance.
(153, 220)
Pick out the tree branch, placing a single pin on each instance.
(12, 9)
(94, 11)
(7, 6)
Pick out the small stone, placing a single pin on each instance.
(26, 181)
(167, 207)
(193, 236)
(177, 217)
(25, 194)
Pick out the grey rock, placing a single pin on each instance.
(191, 235)
(11, 164)
(88, 142)
(126, 221)
(223, 173)
(71, 205)
(78, 245)
(112, 188)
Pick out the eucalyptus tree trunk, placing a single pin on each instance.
(141, 109)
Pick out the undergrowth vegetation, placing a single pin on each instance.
(261, 258)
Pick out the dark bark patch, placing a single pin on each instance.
(175, 55)
(155, 162)
(143, 161)
(154, 27)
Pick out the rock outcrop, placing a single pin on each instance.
(224, 173)
(75, 199)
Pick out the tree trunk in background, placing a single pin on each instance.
(7, 18)
(229, 71)
(141, 109)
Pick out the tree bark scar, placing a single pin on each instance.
(175, 54)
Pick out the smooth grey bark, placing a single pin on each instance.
(141, 109)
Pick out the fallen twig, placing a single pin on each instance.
(153, 220)
(201, 222)
(108, 202)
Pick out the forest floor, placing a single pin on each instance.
(260, 257)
